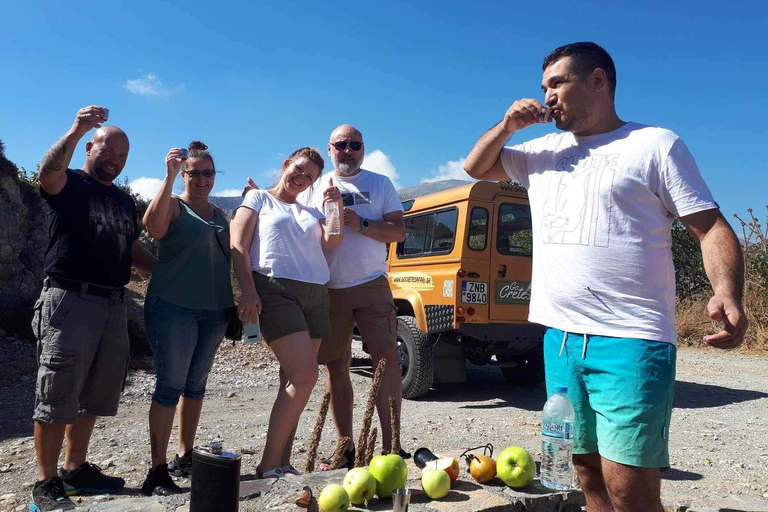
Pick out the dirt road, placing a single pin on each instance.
(718, 448)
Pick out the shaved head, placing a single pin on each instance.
(346, 131)
(347, 161)
(107, 153)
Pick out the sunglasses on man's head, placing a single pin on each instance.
(196, 174)
(342, 145)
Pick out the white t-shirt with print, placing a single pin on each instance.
(288, 239)
(602, 208)
(358, 259)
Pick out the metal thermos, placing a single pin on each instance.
(215, 479)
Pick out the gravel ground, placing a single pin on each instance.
(718, 448)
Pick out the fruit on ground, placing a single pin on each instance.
(482, 468)
(390, 474)
(516, 467)
(435, 483)
(333, 499)
(360, 485)
(447, 464)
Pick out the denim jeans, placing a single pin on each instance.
(184, 342)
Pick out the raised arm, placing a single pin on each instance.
(52, 173)
(241, 232)
(484, 161)
(724, 264)
(162, 210)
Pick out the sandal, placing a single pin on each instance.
(348, 454)
(288, 469)
(272, 473)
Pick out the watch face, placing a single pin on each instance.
(364, 224)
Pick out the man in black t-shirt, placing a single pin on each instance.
(80, 318)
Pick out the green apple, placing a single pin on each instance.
(390, 474)
(516, 467)
(360, 485)
(333, 499)
(435, 483)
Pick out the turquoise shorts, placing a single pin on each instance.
(621, 390)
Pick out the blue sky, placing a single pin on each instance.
(422, 80)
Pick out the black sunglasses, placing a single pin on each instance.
(196, 174)
(342, 145)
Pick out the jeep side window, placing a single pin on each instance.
(514, 237)
(477, 238)
(429, 234)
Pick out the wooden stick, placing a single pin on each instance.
(370, 447)
(362, 440)
(340, 446)
(314, 441)
(394, 415)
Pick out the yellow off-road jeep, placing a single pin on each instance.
(461, 283)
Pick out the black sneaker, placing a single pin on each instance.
(181, 466)
(159, 483)
(89, 479)
(50, 495)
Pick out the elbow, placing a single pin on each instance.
(400, 235)
(156, 232)
(472, 171)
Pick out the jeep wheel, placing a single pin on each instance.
(415, 356)
(529, 370)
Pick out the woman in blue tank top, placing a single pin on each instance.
(185, 309)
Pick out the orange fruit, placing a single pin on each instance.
(482, 468)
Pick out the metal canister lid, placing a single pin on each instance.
(215, 451)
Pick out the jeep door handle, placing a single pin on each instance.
(502, 270)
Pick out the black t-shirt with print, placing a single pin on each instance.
(92, 227)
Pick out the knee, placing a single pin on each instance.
(167, 396)
(304, 381)
(386, 351)
(590, 474)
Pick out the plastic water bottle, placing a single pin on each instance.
(332, 221)
(557, 441)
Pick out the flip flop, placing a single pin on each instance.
(288, 469)
(272, 473)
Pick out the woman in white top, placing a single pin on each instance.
(277, 252)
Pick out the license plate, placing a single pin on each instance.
(474, 292)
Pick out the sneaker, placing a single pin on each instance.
(181, 466)
(50, 495)
(89, 479)
(159, 483)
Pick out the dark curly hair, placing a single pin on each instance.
(586, 57)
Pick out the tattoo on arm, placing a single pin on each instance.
(54, 158)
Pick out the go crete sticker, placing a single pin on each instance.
(513, 292)
(413, 280)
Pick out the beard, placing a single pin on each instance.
(344, 168)
(577, 118)
(102, 173)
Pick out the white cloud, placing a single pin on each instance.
(146, 187)
(229, 192)
(148, 85)
(377, 161)
(452, 170)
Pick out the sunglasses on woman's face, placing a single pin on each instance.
(342, 145)
(196, 174)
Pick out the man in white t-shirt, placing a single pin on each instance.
(603, 196)
(359, 288)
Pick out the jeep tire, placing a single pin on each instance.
(416, 358)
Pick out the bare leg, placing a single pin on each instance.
(391, 386)
(589, 470)
(298, 358)
(286, 458)
(78, 438)
(160, 425)
(49, 439)
(189, 419)
(632, 489)
(339, 384)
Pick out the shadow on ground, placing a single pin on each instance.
(692, 395)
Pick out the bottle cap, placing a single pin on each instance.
(561, 389)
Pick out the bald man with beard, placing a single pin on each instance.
(80, 317)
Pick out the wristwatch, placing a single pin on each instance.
(364, 225)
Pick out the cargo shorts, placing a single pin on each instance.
(371, 307)
(82, 353)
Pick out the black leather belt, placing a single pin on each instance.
(85, 288)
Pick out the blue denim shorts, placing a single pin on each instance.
(184, 342)
(621, 390)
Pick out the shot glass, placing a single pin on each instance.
(400, 500)
(106, 114)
